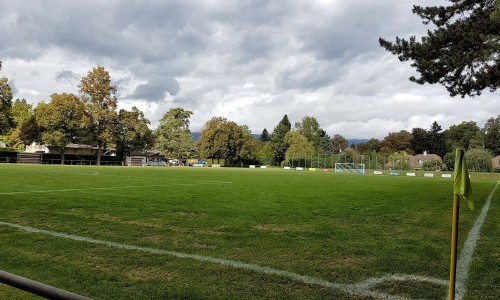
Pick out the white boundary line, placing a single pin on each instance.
(117, 187)
(465, 258)
(363, 288)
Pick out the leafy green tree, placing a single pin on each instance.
(419, 140)
(60, 121)
(309, 128)
(449, 161)
(431, 165)
(397, 141)
(479, 160)
(248, 147)
(298, 146)
(399, 160)
(6, 122)
(173, 137)
(372, 145)
(25, 129)
(326, 144)
(265, 135)
(436, 140)
(133, 133)
(278, 140)
(265, 153)
(339, 143)
(213, 139)
(100, 109)
(465, 135)
(492, 135)
(224, 139)
(461, 53)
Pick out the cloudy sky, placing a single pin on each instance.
(249, 61)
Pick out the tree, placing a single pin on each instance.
(299, 147)
(326, 144)
(419, 140)
(479, 160)
(173, 137)
(264, 136)
(224, 139)
(339, 143)
(372, 145)
(278, 140)
(265, 153)
(464, 135)
(461, 53)
(436, 140)
(399, 160)
(6, 121)
(133, 133)
(397, 141)
(492, 135)
(100, 108)
(25, 129)
(310, 129)
(60, 121)
(449, 161)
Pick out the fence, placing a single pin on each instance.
(49, 158)
(371, 162)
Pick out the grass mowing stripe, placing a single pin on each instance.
(361, 289)
(468, 250)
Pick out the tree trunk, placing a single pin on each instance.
(62, 158)
(99, 152)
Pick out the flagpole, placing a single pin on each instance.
(454, 238)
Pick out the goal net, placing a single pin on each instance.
(350, 168)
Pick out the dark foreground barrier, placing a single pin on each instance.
(38, 288)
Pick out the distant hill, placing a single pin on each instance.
(196, 136)
(357, 141)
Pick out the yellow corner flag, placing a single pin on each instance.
(462, 185)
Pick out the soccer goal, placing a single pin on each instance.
(350, 168)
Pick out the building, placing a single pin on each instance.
(75, 149)
(496, 162)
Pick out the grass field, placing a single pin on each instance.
(207, 233)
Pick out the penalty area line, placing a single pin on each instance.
(363, 289)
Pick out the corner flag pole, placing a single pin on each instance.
(462, 187)
(454, 238)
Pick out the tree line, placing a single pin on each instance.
(92, 118)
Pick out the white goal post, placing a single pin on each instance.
(350, 168)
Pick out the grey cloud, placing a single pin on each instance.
(13, 88)
(67, 76)
(156, 89)
(268, 57)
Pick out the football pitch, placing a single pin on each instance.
(216, 233)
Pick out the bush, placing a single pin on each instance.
(449, 161)
(431, 165)
(479, 160)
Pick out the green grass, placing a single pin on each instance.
(339, 228)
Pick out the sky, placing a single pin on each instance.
(248, 61)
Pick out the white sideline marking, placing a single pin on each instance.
(114, 188)
(363, 288)
(465, 257)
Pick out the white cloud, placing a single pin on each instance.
(249, 61)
